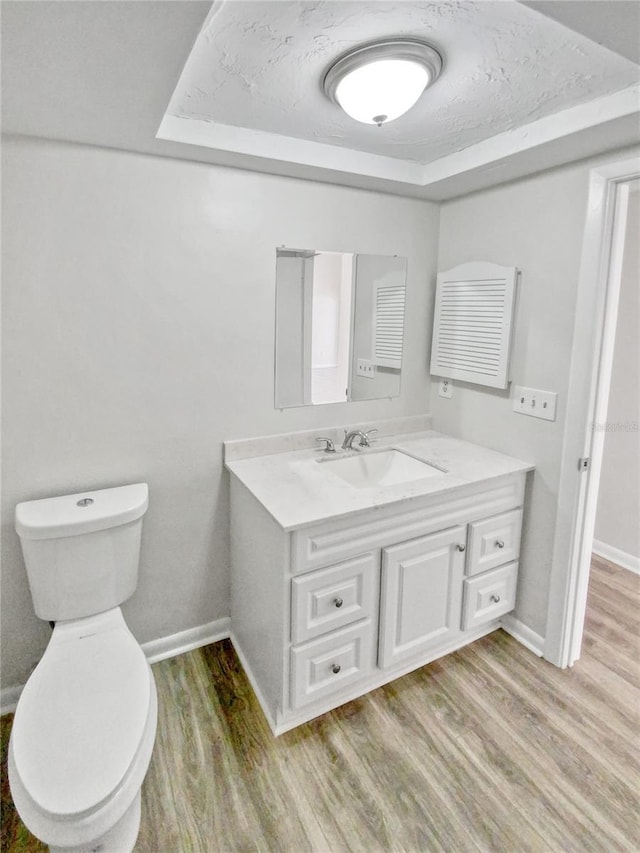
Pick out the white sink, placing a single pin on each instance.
(380, 468)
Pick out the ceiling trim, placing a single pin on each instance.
(288, 149)
(246, 144)
(527, 137)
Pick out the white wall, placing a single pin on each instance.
(537, 225)
(618, 514)
(138, 326)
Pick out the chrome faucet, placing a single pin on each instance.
(363, 438)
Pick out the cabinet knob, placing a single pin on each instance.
(495, 598)
(462, 547)
(338, 602)
(335, 669)
(499, 543)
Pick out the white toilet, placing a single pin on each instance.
(85, 724)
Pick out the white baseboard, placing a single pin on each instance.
(520, 632)
(155, 650)
(615, 555)
(186, 641)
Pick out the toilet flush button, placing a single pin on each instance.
(85, 502)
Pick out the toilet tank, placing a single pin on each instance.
(82, 551)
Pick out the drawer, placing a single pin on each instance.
(325, 666)
(489, 595)
(494, 541)
(332, 598)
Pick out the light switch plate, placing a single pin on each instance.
(366, 368)
(535, 403)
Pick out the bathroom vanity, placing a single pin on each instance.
(346, 575)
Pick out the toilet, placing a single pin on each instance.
(85, 724)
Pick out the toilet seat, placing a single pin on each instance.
(84, 727)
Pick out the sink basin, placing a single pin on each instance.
(380, 468)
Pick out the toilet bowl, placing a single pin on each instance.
(85, 724)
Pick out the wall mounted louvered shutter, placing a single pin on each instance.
(388, 324)
(473, 323)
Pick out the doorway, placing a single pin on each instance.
(616, 533)
(590, 377)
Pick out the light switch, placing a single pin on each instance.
(536, 403)
(364, 367)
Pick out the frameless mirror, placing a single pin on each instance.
(339, 326)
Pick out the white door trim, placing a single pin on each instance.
(589, 380)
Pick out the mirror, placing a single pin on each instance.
(339, 326)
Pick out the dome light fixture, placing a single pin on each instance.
(380, 81)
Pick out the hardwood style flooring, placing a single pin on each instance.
(488, 749)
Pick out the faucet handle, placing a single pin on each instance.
(329, 446)
(365, 442)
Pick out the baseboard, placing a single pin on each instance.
(615, 555)
(155, 650)
(520, 632)
(186, 641)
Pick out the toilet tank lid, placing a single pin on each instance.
(84, 512)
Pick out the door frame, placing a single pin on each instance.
(589, 382)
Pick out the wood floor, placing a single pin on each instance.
(489, 749)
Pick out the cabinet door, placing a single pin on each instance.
(421, 596)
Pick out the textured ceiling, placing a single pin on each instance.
(259, 65)
(617, 28)
(238, 84)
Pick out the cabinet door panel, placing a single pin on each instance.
(421, 594)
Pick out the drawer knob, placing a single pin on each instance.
(462, 547)
(335, 669)
(338, 602)
(495, 598)
(499, 543)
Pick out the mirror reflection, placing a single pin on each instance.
(339, 326)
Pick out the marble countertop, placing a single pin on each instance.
(298, 488)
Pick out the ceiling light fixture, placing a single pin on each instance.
(378, 82)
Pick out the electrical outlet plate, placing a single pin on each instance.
(535, 403)
(445, 389)
(365, 368)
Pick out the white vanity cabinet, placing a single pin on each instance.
(326, 612)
